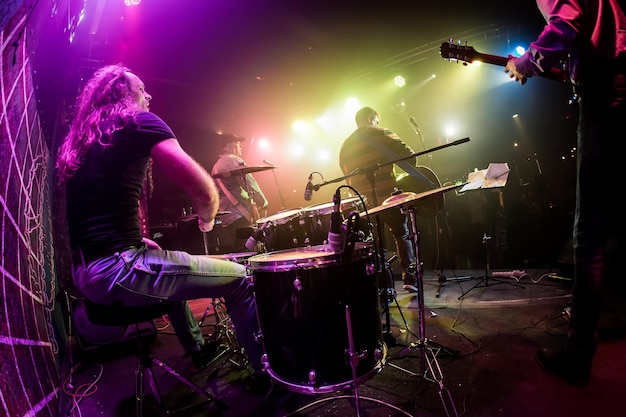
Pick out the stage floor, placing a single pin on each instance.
(483, 335)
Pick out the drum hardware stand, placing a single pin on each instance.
(224, 327)
(428, 350)
(353, 359)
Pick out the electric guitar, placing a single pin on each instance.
(467, 55)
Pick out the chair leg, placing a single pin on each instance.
(145, 370)
(209, 398)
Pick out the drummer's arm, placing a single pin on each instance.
(191, 177)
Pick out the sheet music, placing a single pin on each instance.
(494, 176)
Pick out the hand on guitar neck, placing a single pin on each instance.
(467, 55)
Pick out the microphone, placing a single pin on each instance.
(308, 190)
(265, 161)
(414, 124)
(337, 232)
(254, 237)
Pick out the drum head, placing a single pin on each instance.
(302, 258)
(280, 217)
(234, 257)
(327, 208)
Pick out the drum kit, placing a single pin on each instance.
(319, 309)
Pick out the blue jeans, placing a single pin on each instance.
(398, 224)
(141, 276)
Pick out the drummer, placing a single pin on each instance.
(240, 195)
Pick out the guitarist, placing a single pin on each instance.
(368, 146)
(591, 34)
(240, 195)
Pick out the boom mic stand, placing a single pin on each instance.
(370, 173)
(423, 345)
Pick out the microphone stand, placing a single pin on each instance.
(433, 366)
(369, 172)
(280, 195)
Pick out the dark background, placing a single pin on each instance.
(254, 67)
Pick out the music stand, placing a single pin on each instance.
(495, 176)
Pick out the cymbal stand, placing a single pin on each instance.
(429, 368)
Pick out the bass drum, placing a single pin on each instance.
(302, 299)
(429, 207)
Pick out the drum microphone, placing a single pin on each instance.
(254, 237)
(337, 232)
(308, 190)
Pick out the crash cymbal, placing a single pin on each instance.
(242, 171)
(409, 199)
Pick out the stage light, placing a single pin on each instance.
(399, 81)
(131, 3)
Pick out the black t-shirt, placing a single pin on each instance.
(103, 195)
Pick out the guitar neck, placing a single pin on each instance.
(468, 54)
(493, 59)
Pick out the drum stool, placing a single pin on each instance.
(119, 315)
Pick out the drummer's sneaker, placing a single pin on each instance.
(410, 282)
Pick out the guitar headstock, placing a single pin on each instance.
(457, 52)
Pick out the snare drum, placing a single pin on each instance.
(303, 297)
(238, 257)
(283, 230)
(317, 218)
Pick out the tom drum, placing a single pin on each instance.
(302, 297)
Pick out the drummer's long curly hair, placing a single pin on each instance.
(105, 105)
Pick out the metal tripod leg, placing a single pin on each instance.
(484, 281)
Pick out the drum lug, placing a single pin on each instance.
(312, 377)
(295, 298)
(265, 363)
(378, 354)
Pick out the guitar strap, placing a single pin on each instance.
(238, 205)
(407, 167)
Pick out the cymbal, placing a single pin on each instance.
(242, 171)
(409, 199)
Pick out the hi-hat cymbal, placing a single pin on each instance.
(242, 171)
(409, 199)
